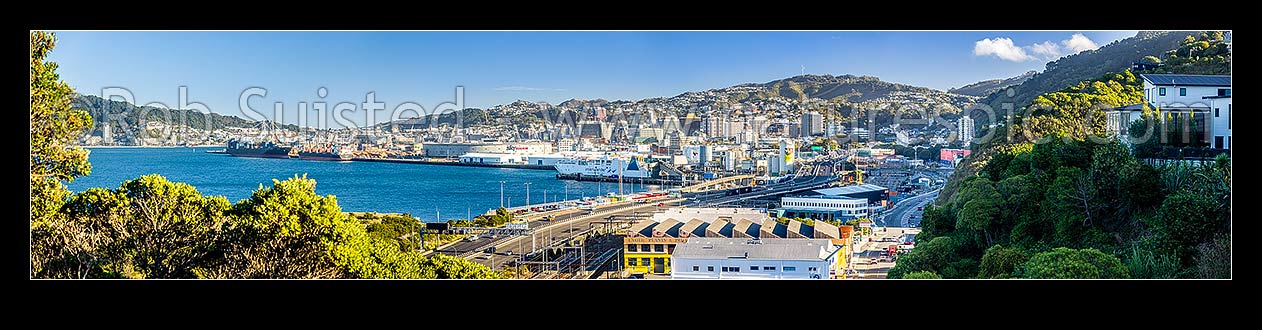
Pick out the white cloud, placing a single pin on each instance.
(1046, 48)
(1079, 42)
(528, 89)
(1001, 48)
(1004, 49)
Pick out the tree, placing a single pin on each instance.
(976, 217)
(1066, 263)
(922, 275)
(1001, 262)
(54, 123)
(147, 228)
(1187, 219)
(930, 256)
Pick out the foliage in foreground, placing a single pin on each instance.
(153, 228)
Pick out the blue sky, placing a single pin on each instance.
(500, 67)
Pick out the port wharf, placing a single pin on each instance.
(452, 163)
(575, 177)
(656, 181)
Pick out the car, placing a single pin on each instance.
(508, 253)
(484, 256)
(638, 276)
(472, 238)
(489, 250)
(493, 236)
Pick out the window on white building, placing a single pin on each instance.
(1183, 91)
(811, 269)
(696, 268)
(790, 268)
(1161, 91)
(768, 268)
(709, 268)
(753, 267)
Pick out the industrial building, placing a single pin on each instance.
(824, 207)
(493, 159)
(873, 193)
(458, 149)
(768, 258)
(649, 245)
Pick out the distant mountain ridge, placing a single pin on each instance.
(849, 88)
(986, 87)
(103, 110)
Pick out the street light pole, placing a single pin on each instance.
(501, 194)
(527, 193)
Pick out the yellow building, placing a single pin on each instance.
(648, 255)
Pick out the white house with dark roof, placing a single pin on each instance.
(1204, 98)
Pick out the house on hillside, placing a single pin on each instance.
(1202, 102)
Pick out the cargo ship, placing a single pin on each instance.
(269, 149)
(324, 152)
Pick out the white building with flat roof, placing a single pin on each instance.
(742, 258)
(491, 159)
(824, 207)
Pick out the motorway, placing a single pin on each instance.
(901, 214)
(564, 227)
(867, 259)
(467, 248)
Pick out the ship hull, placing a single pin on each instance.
(599, 171)
(324, 158)
(282, 156)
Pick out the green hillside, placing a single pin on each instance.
(1057, 201)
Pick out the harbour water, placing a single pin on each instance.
(425, 191)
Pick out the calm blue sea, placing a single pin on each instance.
(421, 190)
